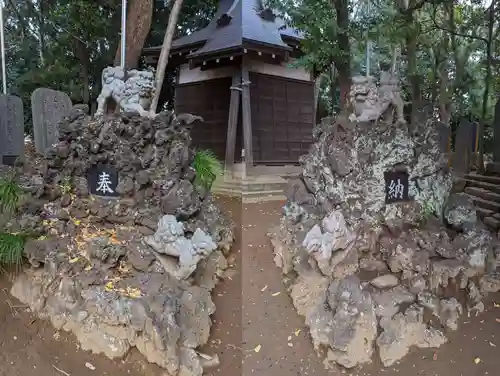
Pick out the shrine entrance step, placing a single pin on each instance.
(484, 190)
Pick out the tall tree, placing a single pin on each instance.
(164, 54)
(139, 19)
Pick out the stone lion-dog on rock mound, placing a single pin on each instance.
(131, 95)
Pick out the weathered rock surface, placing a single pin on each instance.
(129, 271)
(339, 235)
(404, 331)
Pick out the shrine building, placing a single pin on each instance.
(236, 73)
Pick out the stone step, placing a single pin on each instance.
(485, 204)
(481, 184)
(483, 193)
(483, 213)
(492, 223)
(484, 178)
(252, 197)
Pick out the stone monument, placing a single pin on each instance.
(49, 107)
(11, 128)
(494, 167)
(461, 159)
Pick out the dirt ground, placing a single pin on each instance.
(253, 313)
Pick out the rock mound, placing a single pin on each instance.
(131, 269)
(373, 236)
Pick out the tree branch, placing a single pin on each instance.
(454, 32)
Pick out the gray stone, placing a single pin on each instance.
(11, 128)
(169, 240)
(385, 281)
(49, 107)
(404, 331)
(459, 210)
(496, 134)
(461, 159)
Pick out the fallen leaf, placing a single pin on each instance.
(297, 332)
(497, 320)
(496, 305)
(90, 366)
(289, 338)
(257, 349)
(77, 222)
(205, 356)
(88, 268)
(492, 344)
(276, 293)
(264, 288)
(477, 360)
(109, 286)
(73, 260)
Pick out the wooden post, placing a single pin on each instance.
(247, 118)
(232, 123)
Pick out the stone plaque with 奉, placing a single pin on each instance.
(103, 181)
(396, 186)
(11, 129)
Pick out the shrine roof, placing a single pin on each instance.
(249, 22)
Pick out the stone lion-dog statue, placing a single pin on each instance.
(133, 94)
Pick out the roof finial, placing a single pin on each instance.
(226, 18)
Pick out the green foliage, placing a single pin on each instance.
(65, 185)
(11, 249)
(10, 194)
(207, 168)
(11, 244)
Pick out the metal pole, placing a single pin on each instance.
(2, 42)
(124, 33)
(368, 45)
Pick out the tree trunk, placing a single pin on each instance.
(343, 61)
(487, 80)
(165, 52)
(411, 56)
(139, 18)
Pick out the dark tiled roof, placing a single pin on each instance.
(246, 26)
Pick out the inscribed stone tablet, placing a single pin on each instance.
(49, 107)
(396, 186)
(103, 181)
(11, 128)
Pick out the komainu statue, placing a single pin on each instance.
(370, 103)
(133, 94)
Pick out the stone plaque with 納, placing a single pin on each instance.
(396, 186)
(103, 181)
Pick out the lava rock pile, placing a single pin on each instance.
(363, 271)
(134, 270)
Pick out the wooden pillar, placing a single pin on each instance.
(247, 118)
(232, 123)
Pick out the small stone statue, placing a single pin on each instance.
(370, 104)
(131, 95)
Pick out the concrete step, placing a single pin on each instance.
(492, 223)
(485, 204)
(481, 184)
(484, 178)
(483, 193)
